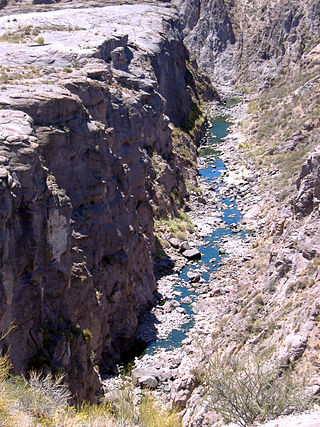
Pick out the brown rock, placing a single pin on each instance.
(184, 246)
(148, 382)
(78, 198)
(182, 390)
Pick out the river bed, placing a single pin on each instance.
(168, 333)
(211, 253)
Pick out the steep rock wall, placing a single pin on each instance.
(240, 40)
(80, 129)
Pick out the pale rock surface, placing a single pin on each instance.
(80, 118)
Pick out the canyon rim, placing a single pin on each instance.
(103, 107)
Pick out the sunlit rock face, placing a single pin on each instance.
(241, 40)
(85, 107)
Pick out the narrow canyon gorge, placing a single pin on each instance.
(160, 188)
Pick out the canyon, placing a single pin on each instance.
(87, 161)
(102, 108)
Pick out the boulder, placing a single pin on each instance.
(148, 381)
(118, 57)
(168, 306)
(192, 254)
(292, 349)
(175, 243)
(165, 374)
(184, 246)
(182, 390)
(193, 276)
(139, 373)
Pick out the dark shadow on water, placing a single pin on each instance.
(139, 348)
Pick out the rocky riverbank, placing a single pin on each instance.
(170, 372)
(220, 318)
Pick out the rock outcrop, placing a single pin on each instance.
(86, 160)
(240, 41)
(308, 186)
(90, 105)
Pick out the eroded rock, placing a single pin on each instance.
(89, 108)
(193, 276)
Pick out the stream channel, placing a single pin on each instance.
(210, 254)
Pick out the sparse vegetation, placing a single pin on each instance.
(247, 391)
(183, 147)
(193, 188)
(9, 75)
(44, 401)
(243, 89)
(178, 226)
(40, 40)
(28, 33)
(194, 120)
(87, 335)
(276, 138)
(159, 251)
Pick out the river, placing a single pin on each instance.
(210, 249)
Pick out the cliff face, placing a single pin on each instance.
(86, 154)
(240, 41)
(271, 304)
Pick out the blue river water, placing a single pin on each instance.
(230, 215)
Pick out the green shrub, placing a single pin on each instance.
(87, 335)
(40, 40)
(258, 300)
(247, 391)
(194, 118)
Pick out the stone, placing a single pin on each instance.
(182, 390)
(192, 254)
(292, 349)
(202, 200)
(193, 276)
(184, 246)
(138, 373)
(148, 381)
(3, 172)
(118, 57)
(168, 306)
(165, 374)
(174, 242)
(3, 3)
